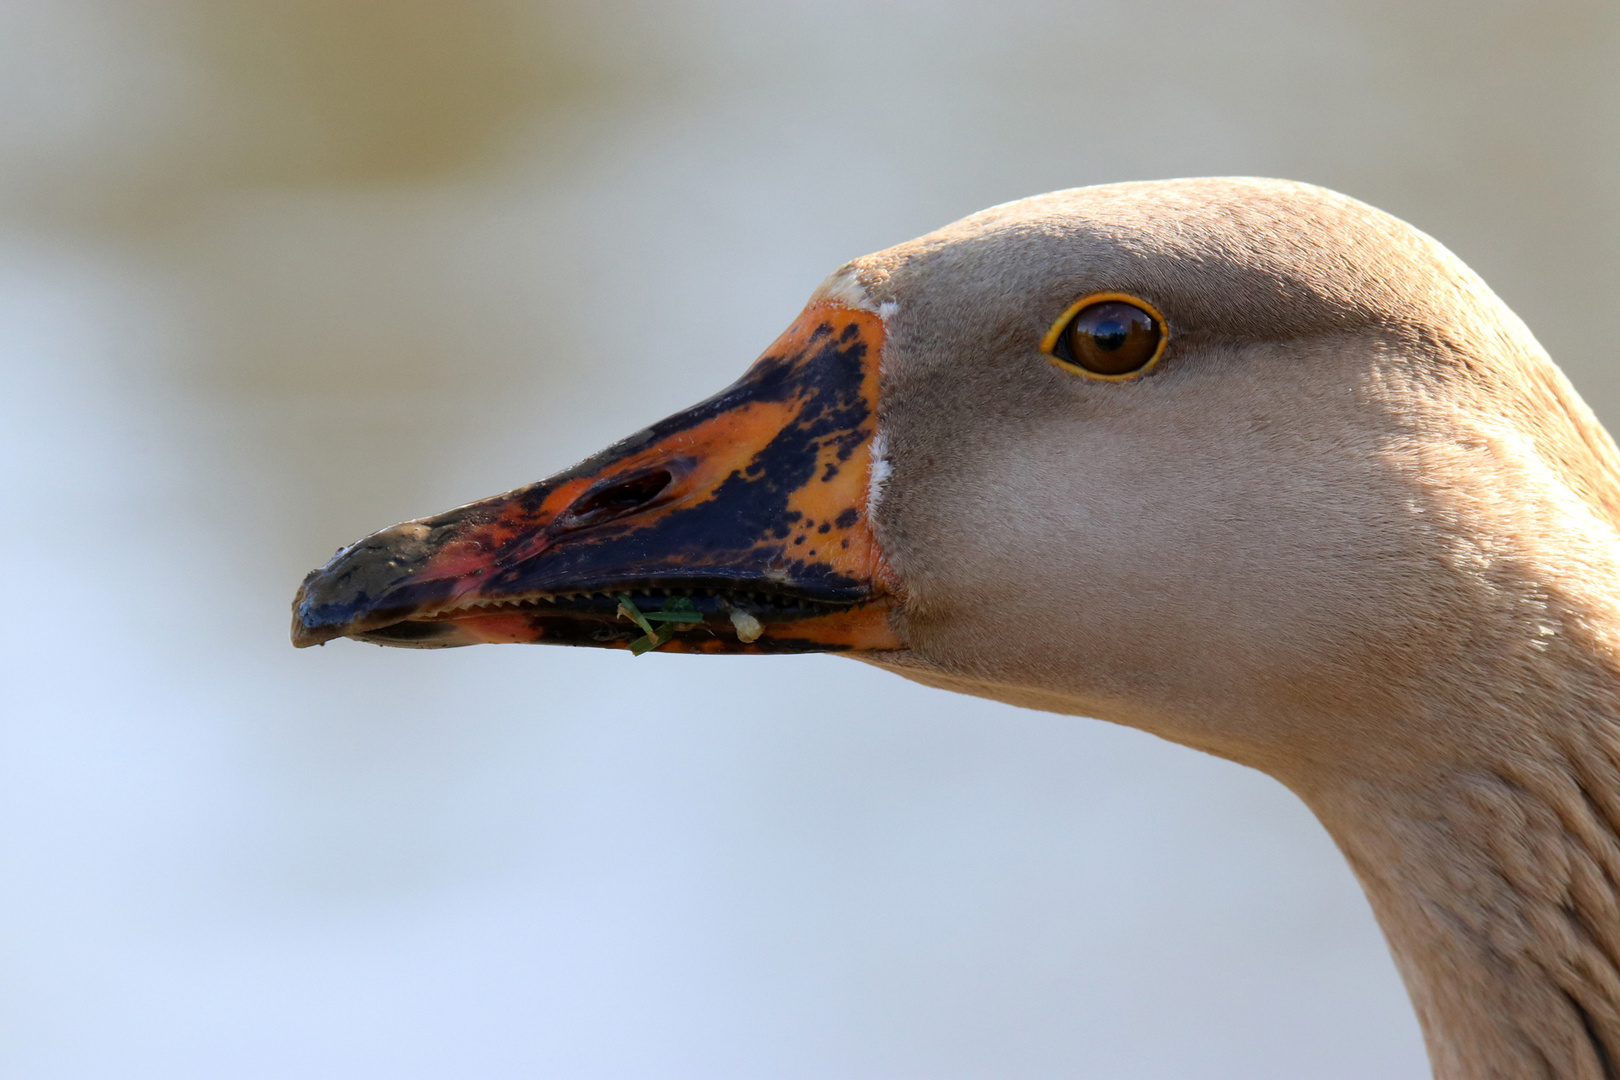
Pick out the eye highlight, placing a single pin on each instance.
(1109, 336)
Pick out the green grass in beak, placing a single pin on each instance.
(677, 612)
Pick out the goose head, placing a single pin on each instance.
(1350, 492)
(1244, 463)
(1339, 457)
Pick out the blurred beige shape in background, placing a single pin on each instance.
(274, 273)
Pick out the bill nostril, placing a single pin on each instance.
(618, 499)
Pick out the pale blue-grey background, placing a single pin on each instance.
(274, 273)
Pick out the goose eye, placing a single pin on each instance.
(1107, 336)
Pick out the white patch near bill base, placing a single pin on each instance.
(844, 287)
(878, 477)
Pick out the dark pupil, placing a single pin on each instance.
(1111, 338)
(1110, 335)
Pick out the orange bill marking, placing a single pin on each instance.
(754, 499)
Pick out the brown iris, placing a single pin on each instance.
(1110, 337)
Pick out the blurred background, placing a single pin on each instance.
(276, 273)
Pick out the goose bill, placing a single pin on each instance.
(751, 507)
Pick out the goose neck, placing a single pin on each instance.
(1497, 883)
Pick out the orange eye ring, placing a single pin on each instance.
(1065, 351)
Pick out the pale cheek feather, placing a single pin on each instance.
(878, 478)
